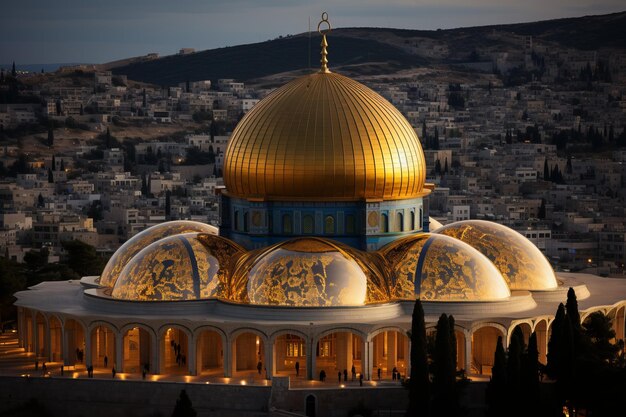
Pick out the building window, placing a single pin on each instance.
(295, 346)
(350, 226)
(385, 222)
(329, 225)
(412, 220)
(287, 224)
(400, 220)
(421, 220)
(308, 225)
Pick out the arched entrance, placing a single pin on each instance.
(210, 353)
(310, 406)
(618, 322)
(103, 347)
(137, 350)
(28, 334)
(248, 353)
(391, 350)
(75, 342)
(56, 339)
(338, 352)
(484, 341)
(40, 336)
(526, 331)
(174, 351)
(541, 330)
(289, 350)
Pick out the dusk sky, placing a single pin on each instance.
(91, 31)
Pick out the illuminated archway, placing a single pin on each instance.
(40, 336)
(209, 353)
(56, 339)
(137, 350)
(174, 351)
(248, 351)
(290, 354)
(339, 351)
(390, 350)
(75, 342)
(484, 341)
(103, 346)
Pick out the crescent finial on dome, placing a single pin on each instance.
(324, 44)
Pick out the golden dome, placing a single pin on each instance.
(142, 239)
(324, 137)
(308, 272)
(521, 263)
(190, 266)
(440, 268)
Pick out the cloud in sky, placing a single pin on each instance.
(43, 31)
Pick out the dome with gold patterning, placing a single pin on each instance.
(324, 137)
(440, 268)
(142, 239)
(190, 266)
(308, 272)
(521, 263)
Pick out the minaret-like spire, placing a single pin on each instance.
(324, 44)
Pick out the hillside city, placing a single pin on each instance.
(533, 138)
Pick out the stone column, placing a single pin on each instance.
(269, 359)
(65, 346)
(228, 358)
(311, 357)
(35, 333)
(368, 362)
(468, 352)
(392, 352)
(155, 354)
(48, 341)
(20, 327)
(191, 355)
(88, 358)
(119, 352)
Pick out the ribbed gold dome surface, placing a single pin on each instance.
(324, 137)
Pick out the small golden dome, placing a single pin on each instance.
(308, 272)
(324, 137)
(440, 268)
(521, 263)
(190, 266)
(142, 239)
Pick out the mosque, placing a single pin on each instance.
(324, 244)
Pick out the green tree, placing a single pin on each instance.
(497, 404)
(555, 348)
(50, 176)
(83, 258)
(419, 384)
(514, 366)
(445, 401)
(453, 350)
(168, 205)
(529, 378)
(183, 407)
(599, 330)
(572, 309)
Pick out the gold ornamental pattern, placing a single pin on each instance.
(521, 263)
(324, 137)
(144, 238)
(439, 268)
(189, 266)
(308, 272)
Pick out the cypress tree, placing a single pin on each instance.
(514, 365)
(444, 392)
(546, 170)
(168, 205)
(419, 385)
(555, 348)
(572, 309)
(496, 390)
(453, 350)
(50, 176)
(13, 72)
(530, 378)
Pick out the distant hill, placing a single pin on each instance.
(397, 48)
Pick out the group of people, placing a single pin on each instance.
(180, 358)
(339, 374)
(395, 374)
